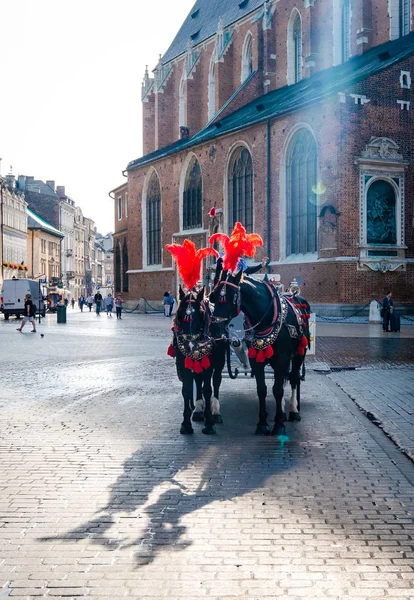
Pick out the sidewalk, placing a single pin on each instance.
(375, 369)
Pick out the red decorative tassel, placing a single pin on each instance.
(197, 368)
(260, 358)
(308, 317)
(304, 306)
(297, 305)
(171, 351)
(269, 352)
(303, 344)
(188, 363)
(252, 352)
(205, 362)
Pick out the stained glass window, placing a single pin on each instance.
(301, 177)
(192, 197)
(154, 221)
(297, 45)
(346, 23)
(240, 188)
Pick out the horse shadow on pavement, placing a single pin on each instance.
(181, 489)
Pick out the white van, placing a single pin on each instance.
(13, 293)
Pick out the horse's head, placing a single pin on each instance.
(225, 297)
(190, 316)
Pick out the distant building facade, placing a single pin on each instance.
(120, 240)
(13, 231)
(43, 251)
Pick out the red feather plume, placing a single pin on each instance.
(238, 244)
(189, 260)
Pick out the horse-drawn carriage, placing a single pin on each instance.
(275, 333)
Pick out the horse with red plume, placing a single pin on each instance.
(274, 326)
(191, 345)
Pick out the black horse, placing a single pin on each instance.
(193, 349)
(274, 329)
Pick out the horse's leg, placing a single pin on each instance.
(187, 391)
(208, 428)
(281, 370)
(262, 428)
(294, 378)
(198, 414)
(219, 362)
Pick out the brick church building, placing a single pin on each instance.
(295, 118)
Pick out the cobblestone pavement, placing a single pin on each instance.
(102, 498)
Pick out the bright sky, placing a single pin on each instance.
(70, 92)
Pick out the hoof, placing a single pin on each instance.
(198, 416)
(218, 419)
(262, 429)
(186, 429)
(279, 430)
(209, 430)
(294, 416)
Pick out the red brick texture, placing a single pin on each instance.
(341, 131)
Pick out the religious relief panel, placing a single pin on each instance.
(328, 228)
(382, 206)
(381, 214)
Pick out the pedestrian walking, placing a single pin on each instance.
(109, 304)
(168, 304)
(81, 302)
(89, 301)
(387, 308)
(73, 303)
(29, 313)
(66, 302)
(98, 302)
(118, 305)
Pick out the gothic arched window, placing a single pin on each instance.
(381, 213)
(301, 177)
(125, 266)
(181, 103)
(346, 33)
(153, 221)
(117, 267)
(297, 45)
(212, 87)
(240, 189)
(192, 196)
(247, 58)
(404, 14)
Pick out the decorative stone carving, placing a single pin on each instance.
(191, 60)
(223, 40)
(161, 75)
(147, 85)
(382, 266)
(383, 149)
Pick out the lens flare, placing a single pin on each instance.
(318, 194)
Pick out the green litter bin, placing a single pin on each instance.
(61, 313)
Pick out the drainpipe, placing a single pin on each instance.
(269, 191)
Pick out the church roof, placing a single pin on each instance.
(202, 22)
(295, 97)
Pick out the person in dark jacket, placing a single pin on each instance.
(98, 302)
(387, 307)
(29, 313)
